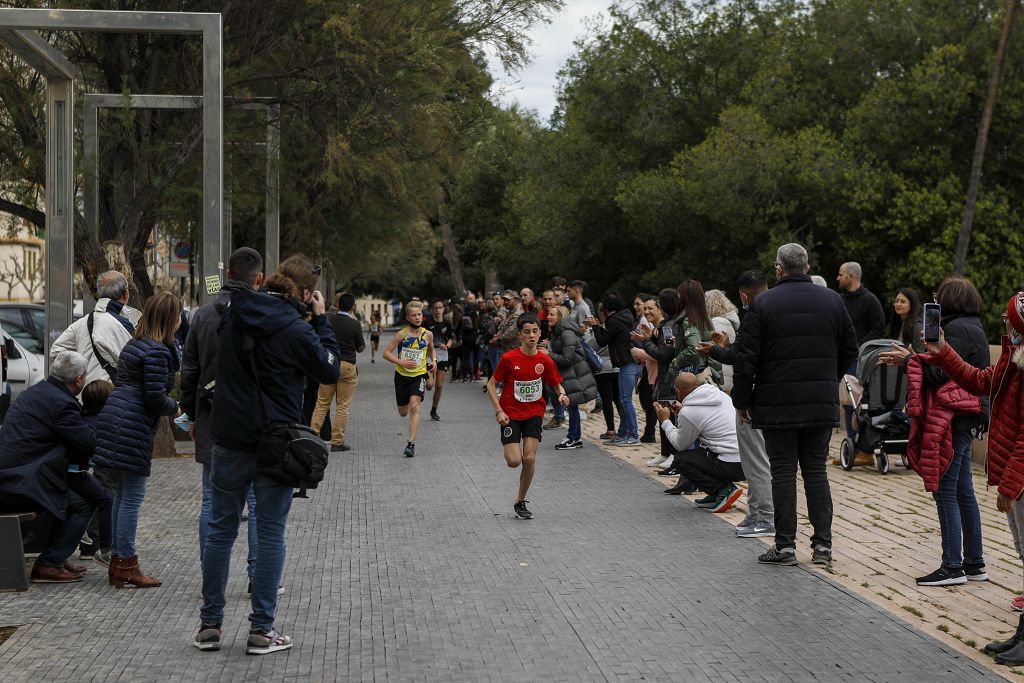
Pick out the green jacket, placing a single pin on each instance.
(687, 358)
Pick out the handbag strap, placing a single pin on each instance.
(249, 349)
(104, 363)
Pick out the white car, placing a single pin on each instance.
(24, 368)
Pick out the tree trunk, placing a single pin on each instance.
(451, 250)
(974, 183)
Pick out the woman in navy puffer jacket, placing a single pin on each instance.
(127, 424)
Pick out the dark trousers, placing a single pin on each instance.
(86, 486)
(706, 471)
(309, 397)
(608, 390)
(807, 447)
(645, 392)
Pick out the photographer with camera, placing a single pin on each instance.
(267, 350)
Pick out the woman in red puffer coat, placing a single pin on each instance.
(1004, 384)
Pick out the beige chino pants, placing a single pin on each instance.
(344, 389)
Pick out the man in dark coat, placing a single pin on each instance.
(866, 313)
(41, 428)
(795, 343)
(199, 373)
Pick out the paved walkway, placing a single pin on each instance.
(416, 570)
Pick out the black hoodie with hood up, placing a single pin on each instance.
(287, 351)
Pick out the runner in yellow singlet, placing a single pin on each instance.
(412, 352)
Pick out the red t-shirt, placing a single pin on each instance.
(522, 378)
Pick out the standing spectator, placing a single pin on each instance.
(760, 519)
(644, 385)
(349, 335)
(468, 336)
(692, 326)
(613, 334)
(41, 428)
(199, 376)
(101, 335)
(529, 301)
(547, 301)
(907, 321)
(507, 336)
(128, 422)
(488, 330)
(959, 516)
(726, 321)
(580, 307)
(285, 350)
(577, 379)
(868, 319)
(658, 344)
(795, 343)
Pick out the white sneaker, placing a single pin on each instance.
(656, 461)
(668, 461)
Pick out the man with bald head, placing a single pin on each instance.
(866, 313)
(102, 334)
(704, 434)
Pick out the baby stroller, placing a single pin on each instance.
(880, 420)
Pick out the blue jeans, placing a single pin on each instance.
(575, 431)
(64, 536)
(493, 356)
(204, 520)
(233, 475)
(959, 518)
(628, 375)
(124, 516)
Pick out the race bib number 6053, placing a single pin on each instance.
(528, 391)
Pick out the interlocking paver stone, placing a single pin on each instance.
(415, 569)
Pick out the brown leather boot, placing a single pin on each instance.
(128, 571)
(111, 568)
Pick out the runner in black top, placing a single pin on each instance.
(444, 338)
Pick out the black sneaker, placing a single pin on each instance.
(707, 501)
(410, 450)
(975, 572)
(648, 439)
(568, 445)
(521, 511)
(944, 576)
(786, 557)
(208, 637)
(821, 555)
(88, 549)
(434, 416)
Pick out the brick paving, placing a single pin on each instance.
(403, 569)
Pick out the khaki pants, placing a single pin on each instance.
(345, 389)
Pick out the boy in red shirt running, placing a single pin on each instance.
(523, 372)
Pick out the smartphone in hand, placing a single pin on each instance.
(932, 329)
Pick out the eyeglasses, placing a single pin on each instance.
(317, 270)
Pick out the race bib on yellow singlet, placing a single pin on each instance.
(415, 355)
(529, 391)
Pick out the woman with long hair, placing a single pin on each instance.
(906, 323)
(726, 320)
(692, 326)
(564, 347)
(127, 424)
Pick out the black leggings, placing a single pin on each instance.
(85, 485)
(645, 392)
(608, 390)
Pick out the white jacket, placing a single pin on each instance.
(108, 333)
(730, 325)
(707, 414)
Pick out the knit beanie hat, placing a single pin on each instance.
(1015, 312)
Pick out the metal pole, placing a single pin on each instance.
(60, 206)
(213, 158)
(272, 246)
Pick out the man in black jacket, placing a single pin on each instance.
(349, 334)
(43, 426)
(864, 307)
(258, 386)
(199, 375)
(795, 343)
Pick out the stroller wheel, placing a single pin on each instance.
(847, 454)
(882, 461)
(905, 461)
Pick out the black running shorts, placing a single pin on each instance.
(517, 430)
(407, 387)
(442, 365)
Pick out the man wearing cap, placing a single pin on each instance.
(508, 333)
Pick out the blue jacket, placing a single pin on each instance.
(127, 423)
(43, 424)
(287, 350)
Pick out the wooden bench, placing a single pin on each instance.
(14, 545)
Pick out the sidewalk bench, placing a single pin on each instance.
(14, 545)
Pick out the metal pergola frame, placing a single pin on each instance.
(17, 27)
(93, 102)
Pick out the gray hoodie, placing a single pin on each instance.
(708, 415)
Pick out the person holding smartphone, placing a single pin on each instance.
(959, 517)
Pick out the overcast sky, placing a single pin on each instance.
(534, 87)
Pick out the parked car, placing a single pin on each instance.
(24, 369)
(29, 316)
